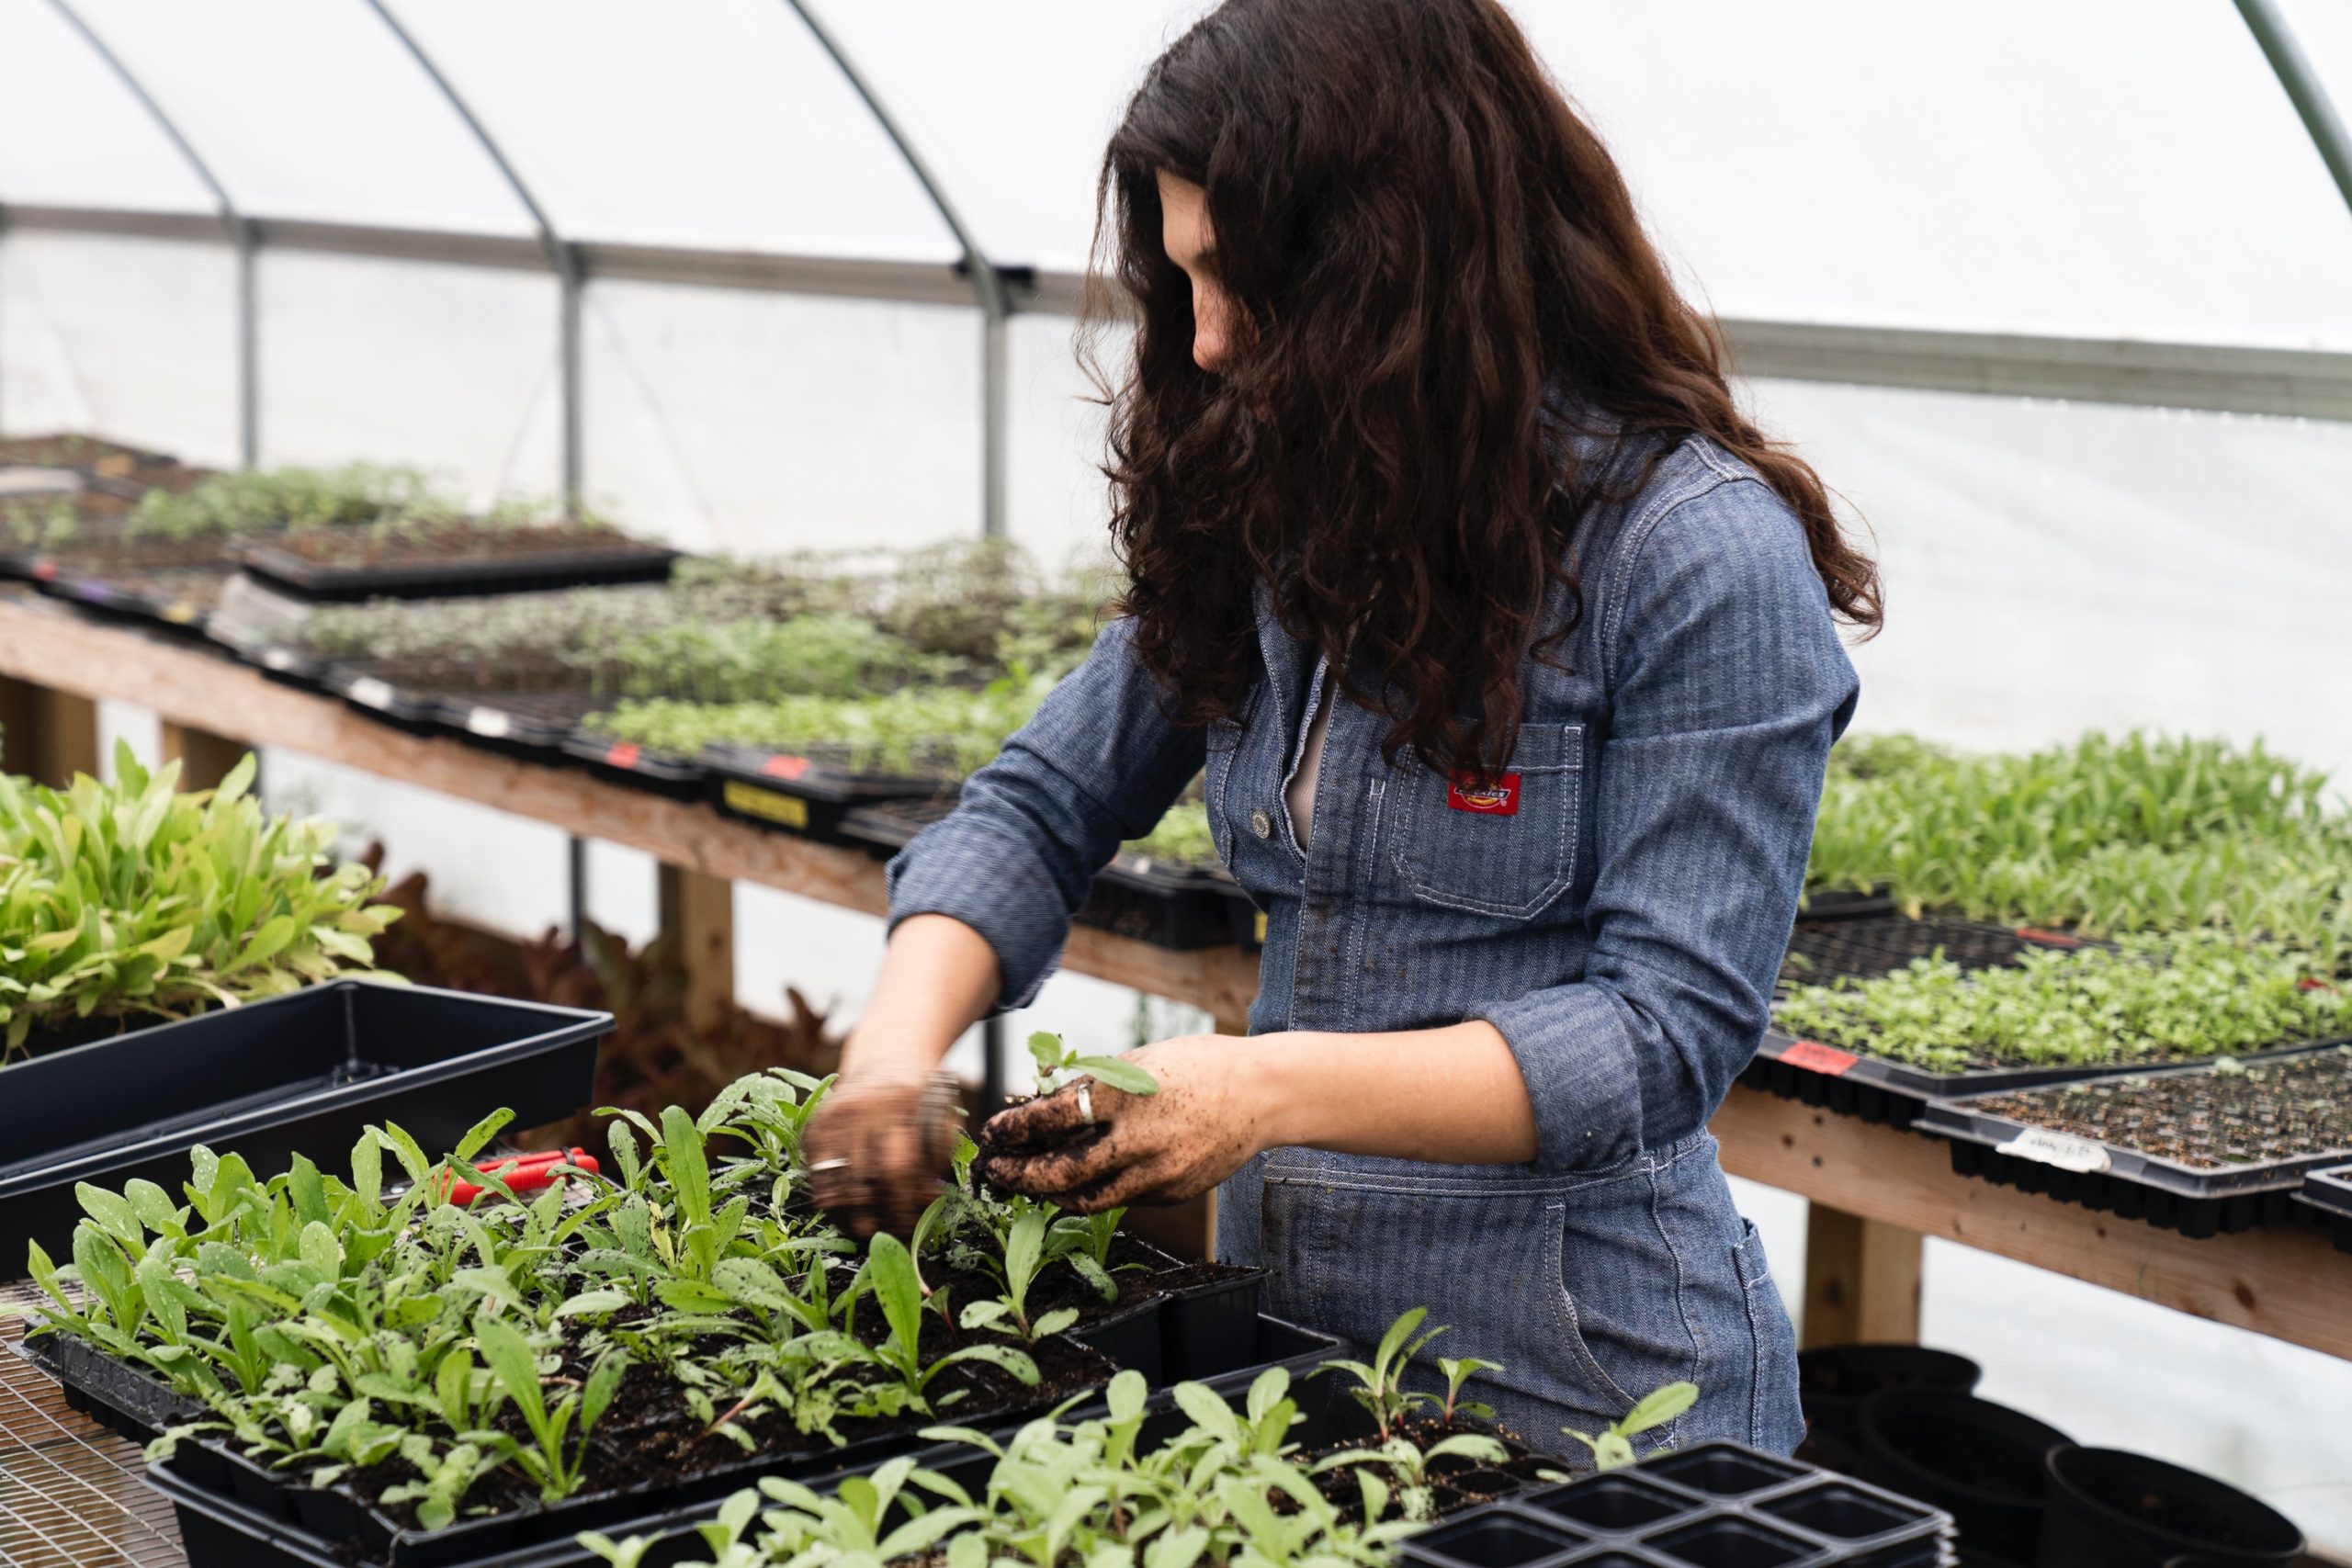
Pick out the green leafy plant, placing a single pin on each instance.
(1380, 1383)
(132, 900)
(285, 499)
(1058, 1063)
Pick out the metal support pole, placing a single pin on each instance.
(987, 283)
(2293, 68)
(562, 259)
(235, 225)
(577, 881)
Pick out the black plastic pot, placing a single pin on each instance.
(300, 1074)
(2109, 1508)
(1834, 1380)
(1979, 1462)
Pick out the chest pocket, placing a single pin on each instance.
(1508, 851)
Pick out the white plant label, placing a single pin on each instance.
(370, 692)
(489, 723)
(2062, 1149)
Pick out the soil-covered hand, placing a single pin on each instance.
(1204, 1122)
(878, 1149)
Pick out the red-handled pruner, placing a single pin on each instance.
(521, 1173)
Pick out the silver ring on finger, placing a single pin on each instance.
(824, 1165)
(1086, 1104)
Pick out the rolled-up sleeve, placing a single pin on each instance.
(1728, 684)
(1099, 764)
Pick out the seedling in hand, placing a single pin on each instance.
(1057, 1063)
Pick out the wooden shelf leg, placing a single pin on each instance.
(1861, 1280)
(204, 758)
(699, 910)
(45, 735)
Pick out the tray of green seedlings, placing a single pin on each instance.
(1155, 889)
(91, 455)
(64, 529)
(2091, 908)
(433, 549)
(2207, 1149)
(939, 659)
(424, 1377)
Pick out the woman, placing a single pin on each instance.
(1508, 645)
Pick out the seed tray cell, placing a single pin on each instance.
(2327, 1196)
(300, 1074)
(2197, 1201)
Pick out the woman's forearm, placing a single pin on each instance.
(1451, 1096)
(939, 977)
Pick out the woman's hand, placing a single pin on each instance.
(878, 1146)
(1210, 1115)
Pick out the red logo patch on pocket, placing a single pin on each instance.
(1499, 797)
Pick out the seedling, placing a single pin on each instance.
(1614, 1448)
(1460, 1370)
(1057, 1063)
(1380, 1385)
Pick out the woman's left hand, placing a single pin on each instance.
(1210, 1116)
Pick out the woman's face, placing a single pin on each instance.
(1191, 243)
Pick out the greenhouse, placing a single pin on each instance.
(1093, 783)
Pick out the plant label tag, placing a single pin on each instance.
(1498, 798)
(370, 692)
(489, 723)
(2062, 1149)
(1814, 1057)
(623, 754)
(179, 613)
(276, 659)
(785, 767)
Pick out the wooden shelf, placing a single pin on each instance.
(2285, 1282)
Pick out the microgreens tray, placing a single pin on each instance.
(1719, 1502)
(1992, 1137)
(295, 1074)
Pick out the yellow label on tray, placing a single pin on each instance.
(784, 810)
(179, 613)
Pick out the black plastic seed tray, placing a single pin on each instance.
(382, 699)
(1178, 907)
(1717, 1506)
(234, 1514)
(178, 599)
(128, 1401)
(625, 561)
(1871, 1089)
(535, 725)
(810, 793)
(2198, 1202)
(300, 1074)
(2328, 1195)
(625, 762)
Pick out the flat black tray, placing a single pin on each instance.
(230, 1513)
(95, 591)
(624, 762)
(2328, 1194)
(300, 1074)
(128, 1401)
(2197, 1201)
(413, 712)
(1718, 1502)
(804, 794)
(1180, 907)
(1871, 1089)
(632, 563)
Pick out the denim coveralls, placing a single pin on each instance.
(1622, 929)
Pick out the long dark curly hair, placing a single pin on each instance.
(1416, 234)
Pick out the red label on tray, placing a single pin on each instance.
(1814, 1057)
(45, 570)
(785, 767)
(2048, 939)
(623, 754)
(2309, 983)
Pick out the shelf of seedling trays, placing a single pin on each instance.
(1858, 939)
(2204, 1150)
(78, 545)
(1183, 907)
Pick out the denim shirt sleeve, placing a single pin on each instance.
(1727, 684)
(1098, 764)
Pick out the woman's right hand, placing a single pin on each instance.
(878, 1148)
